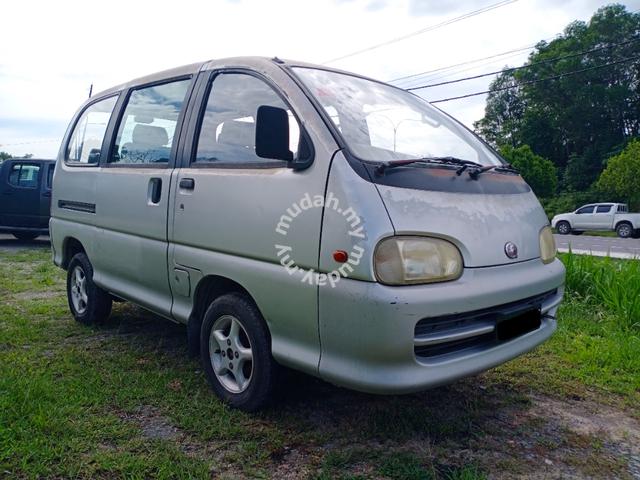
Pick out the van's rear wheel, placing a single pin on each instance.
(563, 228)
(25, 236)
(624, 230)
(235, 347)
(88, 303)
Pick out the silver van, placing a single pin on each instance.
(294, 215)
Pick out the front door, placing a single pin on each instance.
(583, 219)
(21, 194)
(133, 195)
(244, 217)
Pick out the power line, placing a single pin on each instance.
(462, 63)
(530, 82)
(513, 69)
(477, 60)
(473, 67)
(488, 8)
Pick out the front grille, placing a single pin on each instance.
(480, 329)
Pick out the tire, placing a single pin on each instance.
(26, 236)
(249, 380)
(563, 228)
(89, 304)
(624, 230)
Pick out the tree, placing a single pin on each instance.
(621, 178)
(503, 113)
(576, 120)
(4, 156)
(539, 172)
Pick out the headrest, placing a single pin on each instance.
(238, 133)
(150, 135)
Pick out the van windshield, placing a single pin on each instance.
(381, 123)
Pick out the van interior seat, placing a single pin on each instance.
(240, 134)
(148, 144)
(236, 142)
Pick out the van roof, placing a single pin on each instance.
(193, 68)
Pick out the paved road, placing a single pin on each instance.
(9, 242)
(600, 246)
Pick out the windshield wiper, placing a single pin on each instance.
(464, 164)
(506, 167)
(475, 169)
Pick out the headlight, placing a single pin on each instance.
(411, 260)
(547, 245)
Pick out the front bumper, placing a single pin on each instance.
(368, 330)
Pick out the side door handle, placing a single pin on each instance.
(187, 183)
(155, 190)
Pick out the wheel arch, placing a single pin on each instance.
(70, 247)
(208, 289)
(622, 222)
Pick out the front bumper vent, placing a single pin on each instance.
(440, 337)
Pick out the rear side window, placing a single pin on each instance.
(145, 133)
(228, 130)
(86, 140)
(24, 175)
(603, 208)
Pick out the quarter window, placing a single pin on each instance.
(147, 127)
(24, 175)
(86, 140)
(228, 131)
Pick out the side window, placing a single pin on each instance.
(24, 175)
(228, 130)
(584, 210)
(603, 208)
(86, 140)
(146, 130)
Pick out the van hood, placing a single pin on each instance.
(479, 224)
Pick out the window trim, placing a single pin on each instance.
(602, 206)
(65, 151)
(104, 162)
(592, 207)
(200, 109)
(21, 164)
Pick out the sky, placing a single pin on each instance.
(53, 50)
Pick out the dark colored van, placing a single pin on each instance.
(25, 197)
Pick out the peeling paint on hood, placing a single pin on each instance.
(478, 224)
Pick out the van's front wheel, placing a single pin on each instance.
(88, 303)
(236, 353)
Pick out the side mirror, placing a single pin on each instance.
(272, 134)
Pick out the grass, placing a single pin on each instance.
(124, 400)
(608, 283)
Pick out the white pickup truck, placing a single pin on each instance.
(599, 216)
